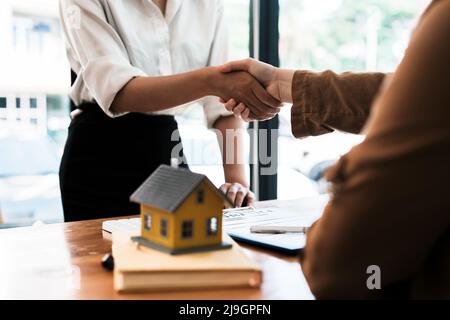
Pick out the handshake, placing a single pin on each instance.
(253, 90)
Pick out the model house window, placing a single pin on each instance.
(186, 229)
(163, 227)
(211, 227)
(200, 196)
(148, 221)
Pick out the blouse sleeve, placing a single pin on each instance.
(103, 60)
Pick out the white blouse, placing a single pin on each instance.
(109, 42)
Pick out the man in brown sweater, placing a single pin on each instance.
(390, 209)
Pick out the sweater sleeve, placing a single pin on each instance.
(324, 102)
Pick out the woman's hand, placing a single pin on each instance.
(263, 72)
(278, 83)
(238, 194)
(241, 87)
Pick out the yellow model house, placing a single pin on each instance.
(181, 212)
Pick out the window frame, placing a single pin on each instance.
(148, 218)
(164, 226)
(200, 196)
(185, 223)
(209, 222)
(264, 46)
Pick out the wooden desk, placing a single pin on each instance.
(62, 261)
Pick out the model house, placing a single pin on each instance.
(181, 212)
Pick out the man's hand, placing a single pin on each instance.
(241, 87)
(278, 83)
(238, 194)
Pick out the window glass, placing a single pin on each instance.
(340, 35)
(211, 226)
(200, 196)
(34, 111)
(148, 221)
(186, 229)
(163, 227)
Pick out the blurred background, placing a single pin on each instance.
(342, 35)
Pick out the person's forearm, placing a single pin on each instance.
(284, 78)
(149, 94)
(231, 140)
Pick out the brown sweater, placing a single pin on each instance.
(390, 203)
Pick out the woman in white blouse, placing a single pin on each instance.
(137, 63)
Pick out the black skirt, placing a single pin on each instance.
(106, 159)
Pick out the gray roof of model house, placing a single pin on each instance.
(168, 187)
